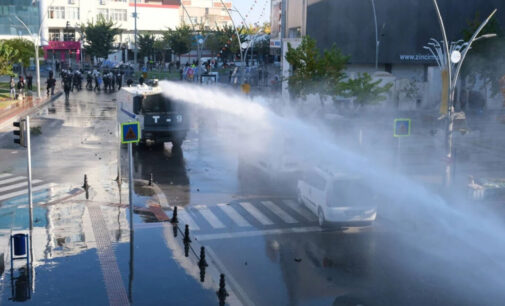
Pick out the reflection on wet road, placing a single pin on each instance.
(255, 231)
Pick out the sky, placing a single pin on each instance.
(260, 11)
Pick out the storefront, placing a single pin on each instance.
(63, 53)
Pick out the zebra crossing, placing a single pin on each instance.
(247, 215)
(14, 189)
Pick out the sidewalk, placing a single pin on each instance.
(83, 250)
(16, 108)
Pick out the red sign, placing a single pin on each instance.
(63, 45)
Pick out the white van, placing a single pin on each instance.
(337, 198)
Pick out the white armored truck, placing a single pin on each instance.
(161, 119)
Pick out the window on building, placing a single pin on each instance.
(295, 32)
(68, 35)
(56, 12)
(118, 15)
(73, 13)
(54, 34)
(73, 2)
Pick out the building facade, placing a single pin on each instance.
(209, 13)
(397, 43)
(63, 20)
(26, 10)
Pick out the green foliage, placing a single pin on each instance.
(146, 45)
(7, 55)
(179, 40)
(315, 73)
(99, 36)
(223, 41)
(364, 90)
(485, 60)
(25, 50)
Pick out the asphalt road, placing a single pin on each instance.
(270, 247)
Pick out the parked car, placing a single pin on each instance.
(337, 198)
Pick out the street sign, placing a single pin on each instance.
(402, 127)
(130, 132)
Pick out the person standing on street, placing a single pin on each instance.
(29, 81)
(21, 87)
(12, 84)
(97, 83)
(67, 85)
(89, 81)
(119, 80)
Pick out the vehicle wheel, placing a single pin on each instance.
(177, 143)
(320, 218)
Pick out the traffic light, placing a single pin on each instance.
(21, 132)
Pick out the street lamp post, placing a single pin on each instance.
(377, 42)
(444, 61)
(135, 51)
(237, 33)
(36, 42)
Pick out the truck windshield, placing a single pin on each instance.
(157, 104)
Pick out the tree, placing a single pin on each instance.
(99, 36)
(160, 48)
(25, 50)
(7, 53)
(364, 90)
(484, 61)
(313, 72)
(146, 45)
(179, 40)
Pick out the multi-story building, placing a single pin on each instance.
(209, 13)
(64, 18)
(26, 10)
(392, 33)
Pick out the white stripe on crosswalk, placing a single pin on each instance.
(234, 215)
(24, 191)
(256, 213)
(12, 179)
(300, 210)
(184, 215)
(5, 175)
(10, 187)
(211, 218)
(279, 212)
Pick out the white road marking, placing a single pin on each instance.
(279, 212)
(5, 175)
(256, 213)
(211, 218)
(184, 215)
(21, 192)
(234, 215)
(300, 210)
(10, 187)
(297, 230)
(13, 179)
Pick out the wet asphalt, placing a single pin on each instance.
(278, 259)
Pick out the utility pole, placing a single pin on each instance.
(135, 51)
(445, 58)
(376, 37)
(36, 43)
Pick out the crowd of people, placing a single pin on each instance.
(190, 72)
(72, 80)
(17, 89)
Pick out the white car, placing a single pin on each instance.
(337, 198)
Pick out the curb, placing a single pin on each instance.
(21, 111)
